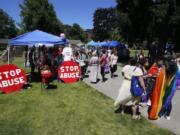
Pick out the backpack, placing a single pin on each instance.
(136, 88)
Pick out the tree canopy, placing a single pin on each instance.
(139, 20)
(104, 23)
(75, 32)
(7, 25)
(40, 14)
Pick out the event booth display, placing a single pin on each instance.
(37, 37)
(13, 78)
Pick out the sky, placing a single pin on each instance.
(68, 11)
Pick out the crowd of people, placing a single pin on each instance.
(50, 58)
(43, 58)
(153, 84)
(107, 61)
(143, 82)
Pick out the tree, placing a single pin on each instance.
(149, 19)
(7, 25)
(67, 31)
(134, 17)
(166, 15)
(104, 21)
(174, 22)
(75, 32)
(40, 14)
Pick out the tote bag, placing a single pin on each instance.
(136, 89)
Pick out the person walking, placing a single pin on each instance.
(113, 62)
(137, 74)
(93, 64)
(124, 95)
(103, 62)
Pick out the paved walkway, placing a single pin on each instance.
(111, 87)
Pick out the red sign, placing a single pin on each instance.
(12, 78)
(69, 71)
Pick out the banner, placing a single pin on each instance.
(69, 72)
(12, 78)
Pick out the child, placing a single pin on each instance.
(46, 75)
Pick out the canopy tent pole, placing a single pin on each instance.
(8, 53)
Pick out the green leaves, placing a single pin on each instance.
(149, 20)
(40, 14)
(7, 25)
(75, 32)
(104, 21)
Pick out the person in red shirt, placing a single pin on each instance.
(102, 64)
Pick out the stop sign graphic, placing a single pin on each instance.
(12, 78)
(69, 71)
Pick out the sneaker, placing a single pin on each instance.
(168, 117)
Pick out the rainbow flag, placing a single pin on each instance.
(158, 92)
(167, 100)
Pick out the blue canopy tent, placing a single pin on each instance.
(93, 43)
(104, 44)
(110, 44)
(114, 44)
(36, 37)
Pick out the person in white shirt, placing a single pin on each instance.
(67, 53)
(113, 62)
(124, 95)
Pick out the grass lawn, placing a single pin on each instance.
(132, 52)
(71, 109)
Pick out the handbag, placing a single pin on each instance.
(106, 69)
(136, 88)
(178, 84)
(144, 97)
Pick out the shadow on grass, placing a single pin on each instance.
(48, 87)
(51, 87)
(35, 77)
(127, 110)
